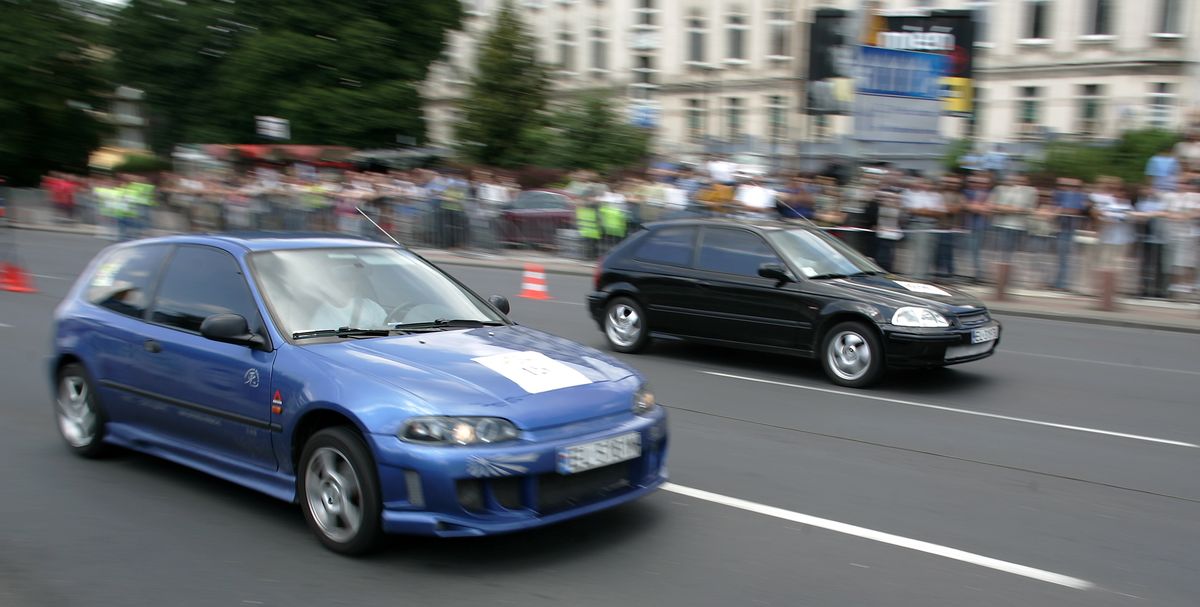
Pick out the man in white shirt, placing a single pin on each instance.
(756, 198)
(343, 305)
(1010, 203)
(924, 206)
(721, 170)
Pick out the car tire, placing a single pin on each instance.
(625, 326)
(78, 414)
(852, 355)
(338, 488)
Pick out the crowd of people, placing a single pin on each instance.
(950, 226)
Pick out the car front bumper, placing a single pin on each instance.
(913, 347)
(471, 491)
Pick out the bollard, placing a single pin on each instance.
(1108, 289)
(1003, 270)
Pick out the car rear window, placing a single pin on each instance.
(672, 246)
(123, 279)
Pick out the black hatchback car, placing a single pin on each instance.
(782, 287)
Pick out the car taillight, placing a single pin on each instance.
(596, 274)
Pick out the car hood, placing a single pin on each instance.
(471, 372)
(897, 291)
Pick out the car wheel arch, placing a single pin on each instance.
(313, 420)
(837, 317)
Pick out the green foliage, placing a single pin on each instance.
(343, 73)
(505, 106)
(141, 163)
(955, 151)
(591, 135)
(50, 77)
(1126, 158)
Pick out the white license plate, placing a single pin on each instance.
(979, 336)
(587, 456)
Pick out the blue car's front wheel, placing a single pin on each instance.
(339, 491)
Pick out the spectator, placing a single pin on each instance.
(1115, 226)
(717, 198)
(925, 207)
(1042, 229)
(952, 199)
(1163, 170)
(1011, 203)
(887, 228)
(796, 200)
(1071, 205)
(1183, 215)
(755, 198)
(1188, 151)
(827, 200)
(975, 214)
(1150, 214)
(721, 170)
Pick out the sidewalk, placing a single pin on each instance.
(1137, 313)
(1143, 314)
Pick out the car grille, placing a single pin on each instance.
(973, 319)
(550, 493)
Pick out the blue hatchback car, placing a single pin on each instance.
(352, 377)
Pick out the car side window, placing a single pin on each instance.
(124, 279)
(671, 246)
(734, 252)
(201, 281)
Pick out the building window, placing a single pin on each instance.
(779, 29)
(1091, 110)
(697, 33)
(645, 14)
(777, 125)
(643, 76)
(1029, 105)
(566, 50)
(1162, 105)
(735, 114)
(981, 13)
(1037, 20)
(696, 118)
(1099, 18)
(599, 43)
(737, 29)
(822, 128)
(1169, 17)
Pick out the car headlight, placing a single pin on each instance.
(434, 430)
(643, 401)
(918, 317)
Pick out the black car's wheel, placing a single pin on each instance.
(77, 411)
(852, 355)
(339, 491)
(625, 325)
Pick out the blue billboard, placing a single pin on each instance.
(895, 73)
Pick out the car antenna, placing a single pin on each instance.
(385, 232)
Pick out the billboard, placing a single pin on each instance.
(834, 35)
(898, 96)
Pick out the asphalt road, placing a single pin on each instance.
(1062, 471)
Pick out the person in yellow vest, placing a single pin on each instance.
(108, 198)
(587, 223)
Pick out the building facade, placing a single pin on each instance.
(727, 75)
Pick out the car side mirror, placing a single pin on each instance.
(774, 271)
(230, 329)
(500, 302)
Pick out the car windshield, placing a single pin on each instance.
(364, 288)
(819, 255)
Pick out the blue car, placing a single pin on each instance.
(353, 378)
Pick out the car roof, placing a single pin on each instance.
(757, 224)
(271, 241)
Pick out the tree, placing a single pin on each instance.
(507, 99)
(342, 73)
(1125, 158)
(52, 78)
(590, 135)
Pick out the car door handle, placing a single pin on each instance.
(152, 346)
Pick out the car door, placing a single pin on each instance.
(738, 305)
(666, 282)
(122, 286)
(218, 393)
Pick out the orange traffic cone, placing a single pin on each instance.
(13, 278)
(533, 284)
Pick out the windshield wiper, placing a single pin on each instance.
(446, 323)
(342, 332)
(836, 275)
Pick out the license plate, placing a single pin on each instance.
(587, 456)
(979, 336)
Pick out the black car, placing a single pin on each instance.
(782, 287)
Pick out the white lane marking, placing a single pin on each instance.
(569, 303)
(1101, 362)
(910, 403)
(48, 277)
(882, 537)
(5, 326)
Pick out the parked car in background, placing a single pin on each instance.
(535, 216)
(786, 288)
